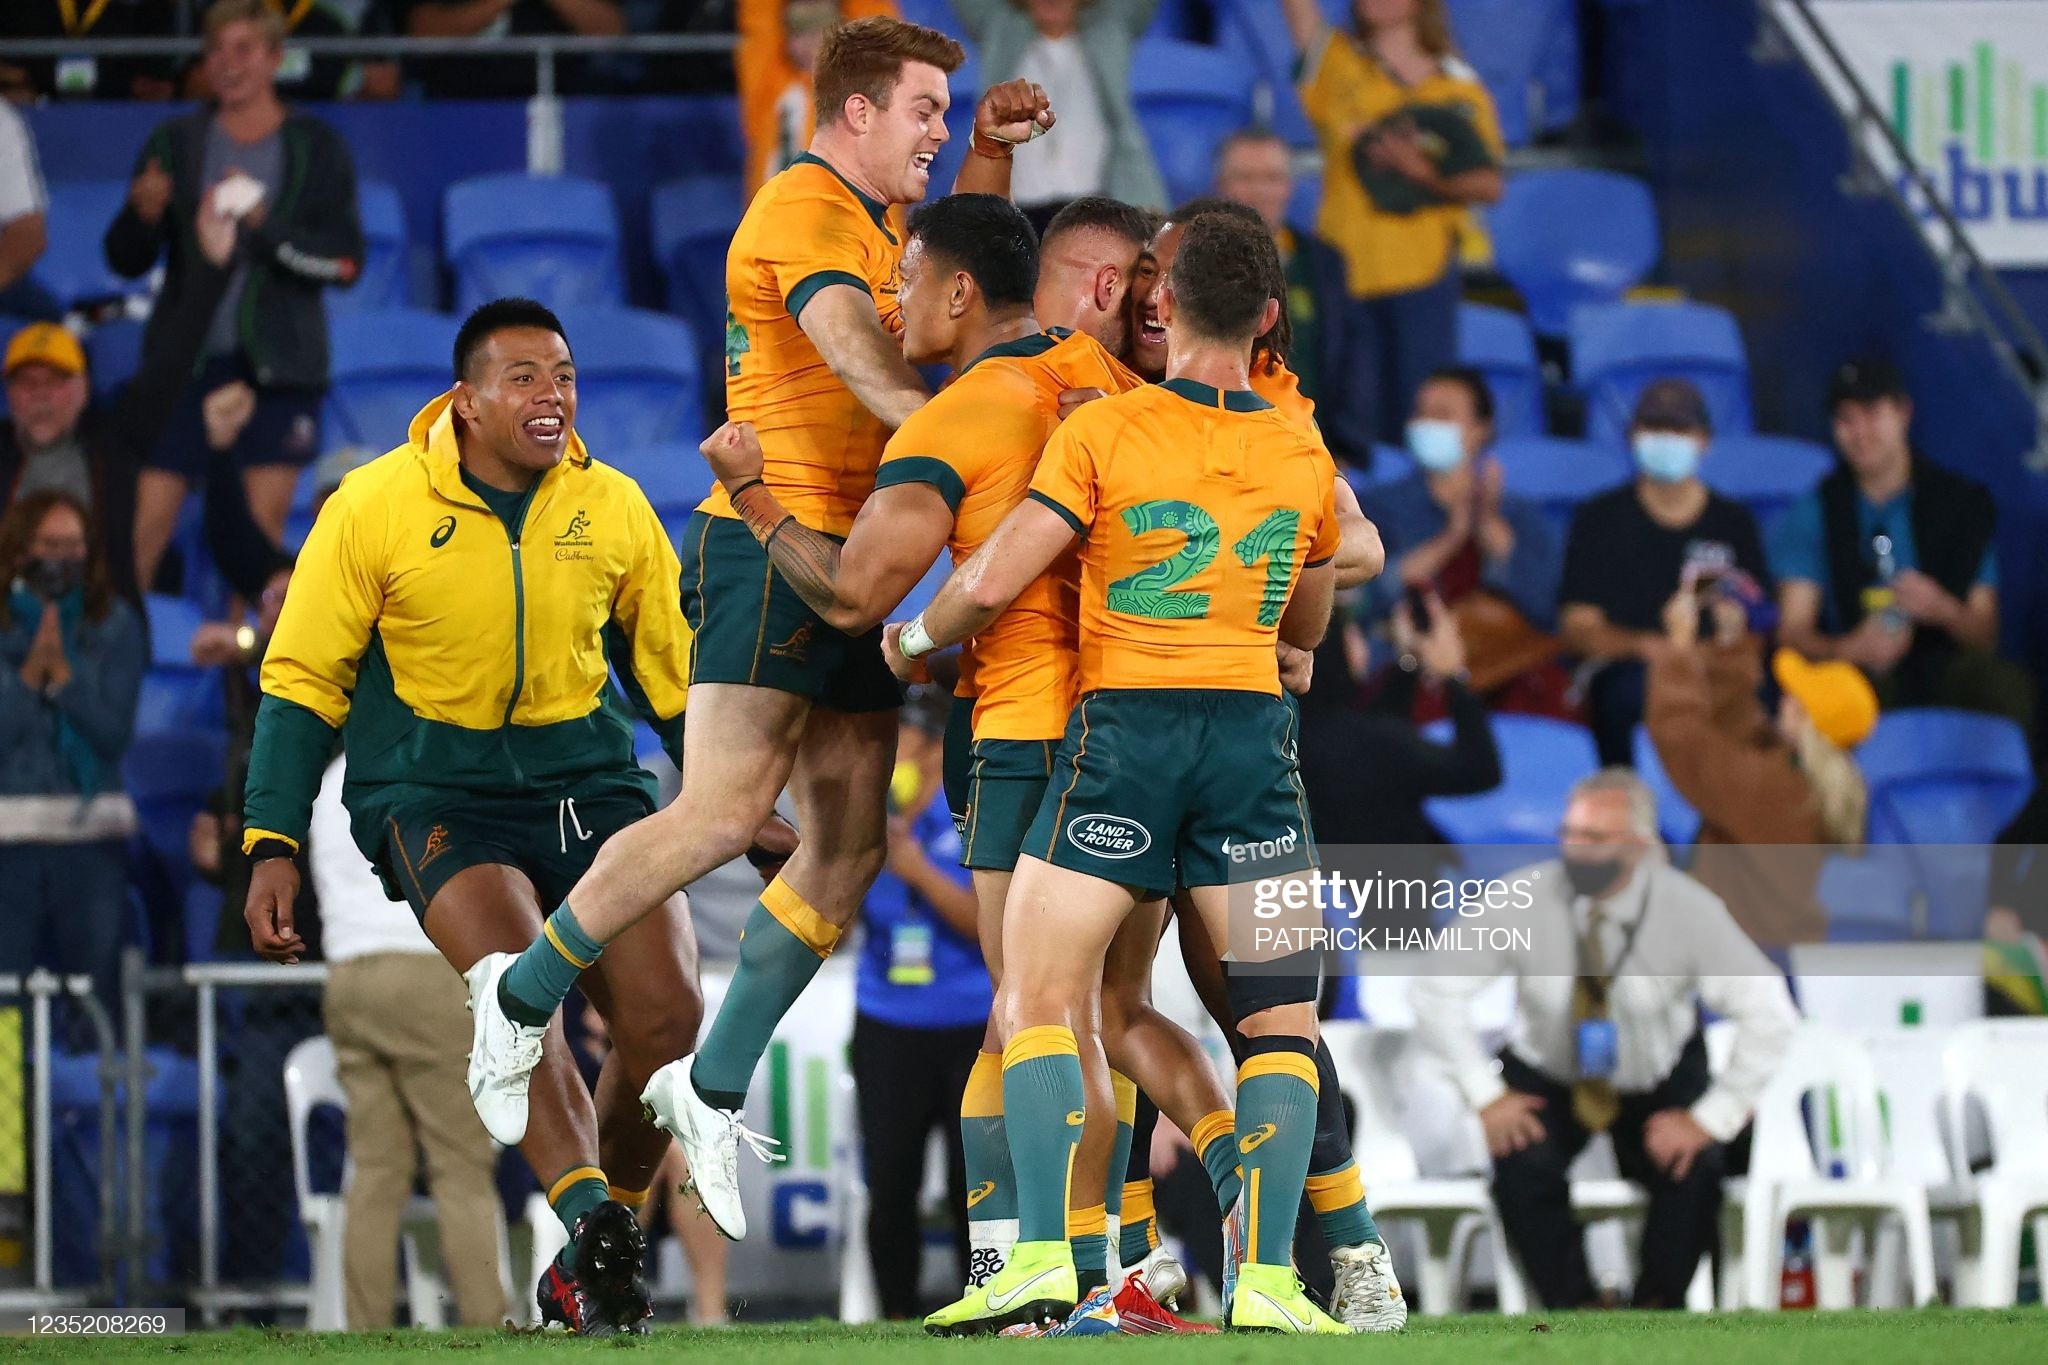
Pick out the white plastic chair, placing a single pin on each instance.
(1785, 1180)
(2003, 1065)
(1911, 1091)
(310, 1082)
(1449, 1211)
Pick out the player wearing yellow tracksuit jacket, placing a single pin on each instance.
(467, 653)
(455, 616)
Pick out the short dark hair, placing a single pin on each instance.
(1270, 348)
(500, 315)
(867, 56)
(1100, 213)
(988, 237)
(1223, 274)
(1473, 382)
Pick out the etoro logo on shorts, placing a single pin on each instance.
(1254, 850)
(1108, 836)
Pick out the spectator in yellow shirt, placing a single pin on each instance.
(1409, 139)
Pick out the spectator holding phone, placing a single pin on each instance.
(74, 653)
(1774, 793)
(1631, 548)
(1410, 142)
(279, 187)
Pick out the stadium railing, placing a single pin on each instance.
(58, 1072)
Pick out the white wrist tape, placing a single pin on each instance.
(915, 641)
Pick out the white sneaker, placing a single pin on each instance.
(710, 1139)
(1368, 1298)
(502, 1053)
(1166, 1279)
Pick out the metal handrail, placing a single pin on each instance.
(2013, 336)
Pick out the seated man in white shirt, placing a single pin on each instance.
(1618, 952)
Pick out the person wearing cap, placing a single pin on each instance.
(1889, 565)
(1631, 548)
(56, 436)
(1776, 793)
(921, 1002)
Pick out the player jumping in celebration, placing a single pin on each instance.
(453, 616)
(1208, 523)
(778, 697)
(974, 281)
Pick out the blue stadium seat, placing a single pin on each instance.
(1515, 823)
(1565, 238)
(691, 223)
(385, 281)
(1677, 821)
(553, 238)
(1189, 97)
(1618, 348)
(1254, 32)
(1938, 776)
(73, 269)
(933, 14)
(1510, 43)
(1558, 69)
(673, 476)
(169, 775)
(1768, 473)
(1558, 475)
(1500, 346)
(1868, 896)
(387, 365)
(636, 378)
(1390, 464)
(175, 695)
(1946, 783)
(1305, 205)
(113, 350)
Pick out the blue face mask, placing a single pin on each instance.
(1668, 456)
(1436, 446)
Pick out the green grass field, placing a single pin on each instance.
(1951, 1338)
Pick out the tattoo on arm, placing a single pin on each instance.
(809, 560)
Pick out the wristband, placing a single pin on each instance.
(915, 641)
(980, 144)
(265, 849)
(734, 493)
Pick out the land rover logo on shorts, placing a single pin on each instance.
(1108, 836)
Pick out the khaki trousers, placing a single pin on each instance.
(401, 1039)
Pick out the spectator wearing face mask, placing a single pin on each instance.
(1492, 557)
(1616, 954)
(1889, 565)
(1631, 548)
(74, 655)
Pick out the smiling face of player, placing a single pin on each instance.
(894, 143)
(1148, 335)
(931, 302)
(518, 405)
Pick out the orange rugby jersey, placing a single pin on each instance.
(978, 444)
(1280, 386)
(1198, 509)
(806, 229)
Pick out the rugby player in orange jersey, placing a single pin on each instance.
(1368, 1295)
(778, 697)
